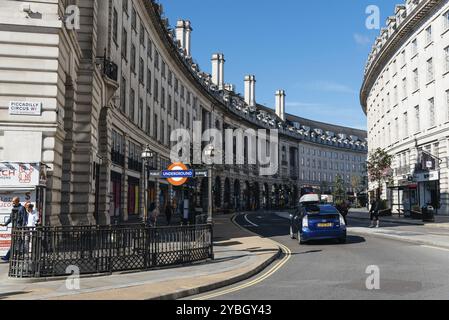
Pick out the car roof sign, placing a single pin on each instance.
(310, 198)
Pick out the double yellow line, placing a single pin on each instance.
(287, 255)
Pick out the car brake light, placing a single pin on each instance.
(305, 222)
(342, 221)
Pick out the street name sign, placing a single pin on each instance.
(25, 108)
(202, 173)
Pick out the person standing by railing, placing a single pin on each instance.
(31, 223)
(18, 219)
(168, 213)
(153, 215)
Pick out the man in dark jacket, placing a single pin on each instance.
(18, 218)
(374, 213)
(168, 213)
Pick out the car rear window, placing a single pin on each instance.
(314, 209)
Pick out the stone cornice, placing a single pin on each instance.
(155, 19)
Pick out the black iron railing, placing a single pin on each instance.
(55, 251)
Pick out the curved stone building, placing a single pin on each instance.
(126, 79)
(405, 95)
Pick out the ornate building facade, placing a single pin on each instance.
(125, 79)
(406, 97)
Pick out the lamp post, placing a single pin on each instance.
(147, 156)
(209, 152)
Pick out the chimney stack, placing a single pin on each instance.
(218, 70)
(280, 104)
(183, 35)
(188, 31)
(250, 90)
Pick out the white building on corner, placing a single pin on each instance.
(405, 95)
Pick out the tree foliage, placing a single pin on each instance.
(379, 166)
(339, 188)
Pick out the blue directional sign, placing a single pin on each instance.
(166, 174)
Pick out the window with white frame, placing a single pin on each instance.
(396, 129)
(432, 112)
(395, 95)
(446, 20)
(429, 34)
(404, 88)
(415, 79)
(417, 119)
(446, 59)
(430, 76)
(447, 104)
(405, 125)
(414, 47)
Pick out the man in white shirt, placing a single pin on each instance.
(33, 217)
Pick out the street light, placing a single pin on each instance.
(147, 156)
(209, 152)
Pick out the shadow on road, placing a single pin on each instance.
(350, 240)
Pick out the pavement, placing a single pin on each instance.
(401, 229)
(440, 221)
(239, 255)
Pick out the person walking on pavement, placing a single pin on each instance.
(374, 213)
(18, 218)
(168, 213)
(153, 214)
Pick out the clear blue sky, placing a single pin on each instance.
(315, 50)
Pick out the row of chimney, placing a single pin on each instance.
(183, 36)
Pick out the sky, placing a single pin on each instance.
(315, 50)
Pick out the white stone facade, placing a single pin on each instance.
(406, 97)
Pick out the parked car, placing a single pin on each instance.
(313, 221)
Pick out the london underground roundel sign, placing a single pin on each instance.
(178, 174)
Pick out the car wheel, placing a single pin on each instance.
(292, 234)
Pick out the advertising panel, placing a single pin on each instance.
(5, 212)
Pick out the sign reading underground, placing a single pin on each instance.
(177, 174)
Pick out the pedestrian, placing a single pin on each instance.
(344, 210)
(32, 216)
(153, 214)
(32, 220)
(374, 213)
(168, 213)
(18, 218)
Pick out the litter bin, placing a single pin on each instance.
(428, 214)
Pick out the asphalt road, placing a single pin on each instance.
(327, 270)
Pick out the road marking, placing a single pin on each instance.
(288, 254)
(252, 283)
(247, 220)
(436, 248)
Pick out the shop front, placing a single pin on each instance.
(133, 199)
(428, 189)
(116, 197)
(403, 197)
